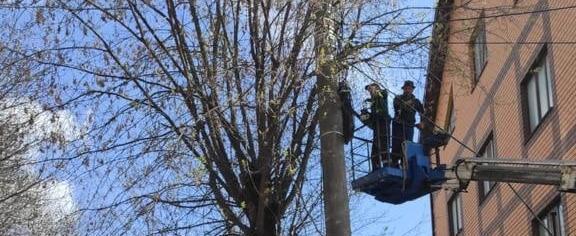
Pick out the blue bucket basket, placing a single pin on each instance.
(395, 185)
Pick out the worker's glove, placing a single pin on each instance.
(419, 126)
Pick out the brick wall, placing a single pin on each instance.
(494, 106)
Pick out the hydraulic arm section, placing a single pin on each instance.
(558, 173)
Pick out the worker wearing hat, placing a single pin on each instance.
(378, 120)
(405, 107)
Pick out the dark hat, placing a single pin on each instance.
(408, 83)
(370, 85)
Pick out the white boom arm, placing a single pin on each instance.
(558, 173)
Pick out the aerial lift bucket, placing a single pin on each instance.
(396, 185)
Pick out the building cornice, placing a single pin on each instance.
(436, 61)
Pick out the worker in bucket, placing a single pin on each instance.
(405, 107)
(378, 120)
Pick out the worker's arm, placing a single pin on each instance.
(419, 107)
(397, 105)
(366, 118)
(381, 104)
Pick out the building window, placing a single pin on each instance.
(450, 124)
(455, 208)
(551, 221)
(480, 49)
(537, 93)
(488, 151)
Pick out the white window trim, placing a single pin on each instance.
(488, 152)
(456, 220)
(480, 49)
(538, 81)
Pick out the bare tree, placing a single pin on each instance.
(202, 115)
(32, 200)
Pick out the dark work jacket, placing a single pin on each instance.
(347, 111)
(378, 110)
(379, 107)
(405, 107)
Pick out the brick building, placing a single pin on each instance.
(502, 78)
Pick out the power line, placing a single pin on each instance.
(446, 8)
(404, 67)
(529, 208)
(512, 14)
(519, 42)
(480, 17)
(393, 44)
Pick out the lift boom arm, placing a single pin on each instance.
(558, 173)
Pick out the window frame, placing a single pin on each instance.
(558, 221)
(486, 187)
(459, 227)
(542, 60)
(450, 122)
(479, 33)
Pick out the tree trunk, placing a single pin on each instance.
(336, 209)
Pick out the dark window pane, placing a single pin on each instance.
(551, 222)
(537, 89)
